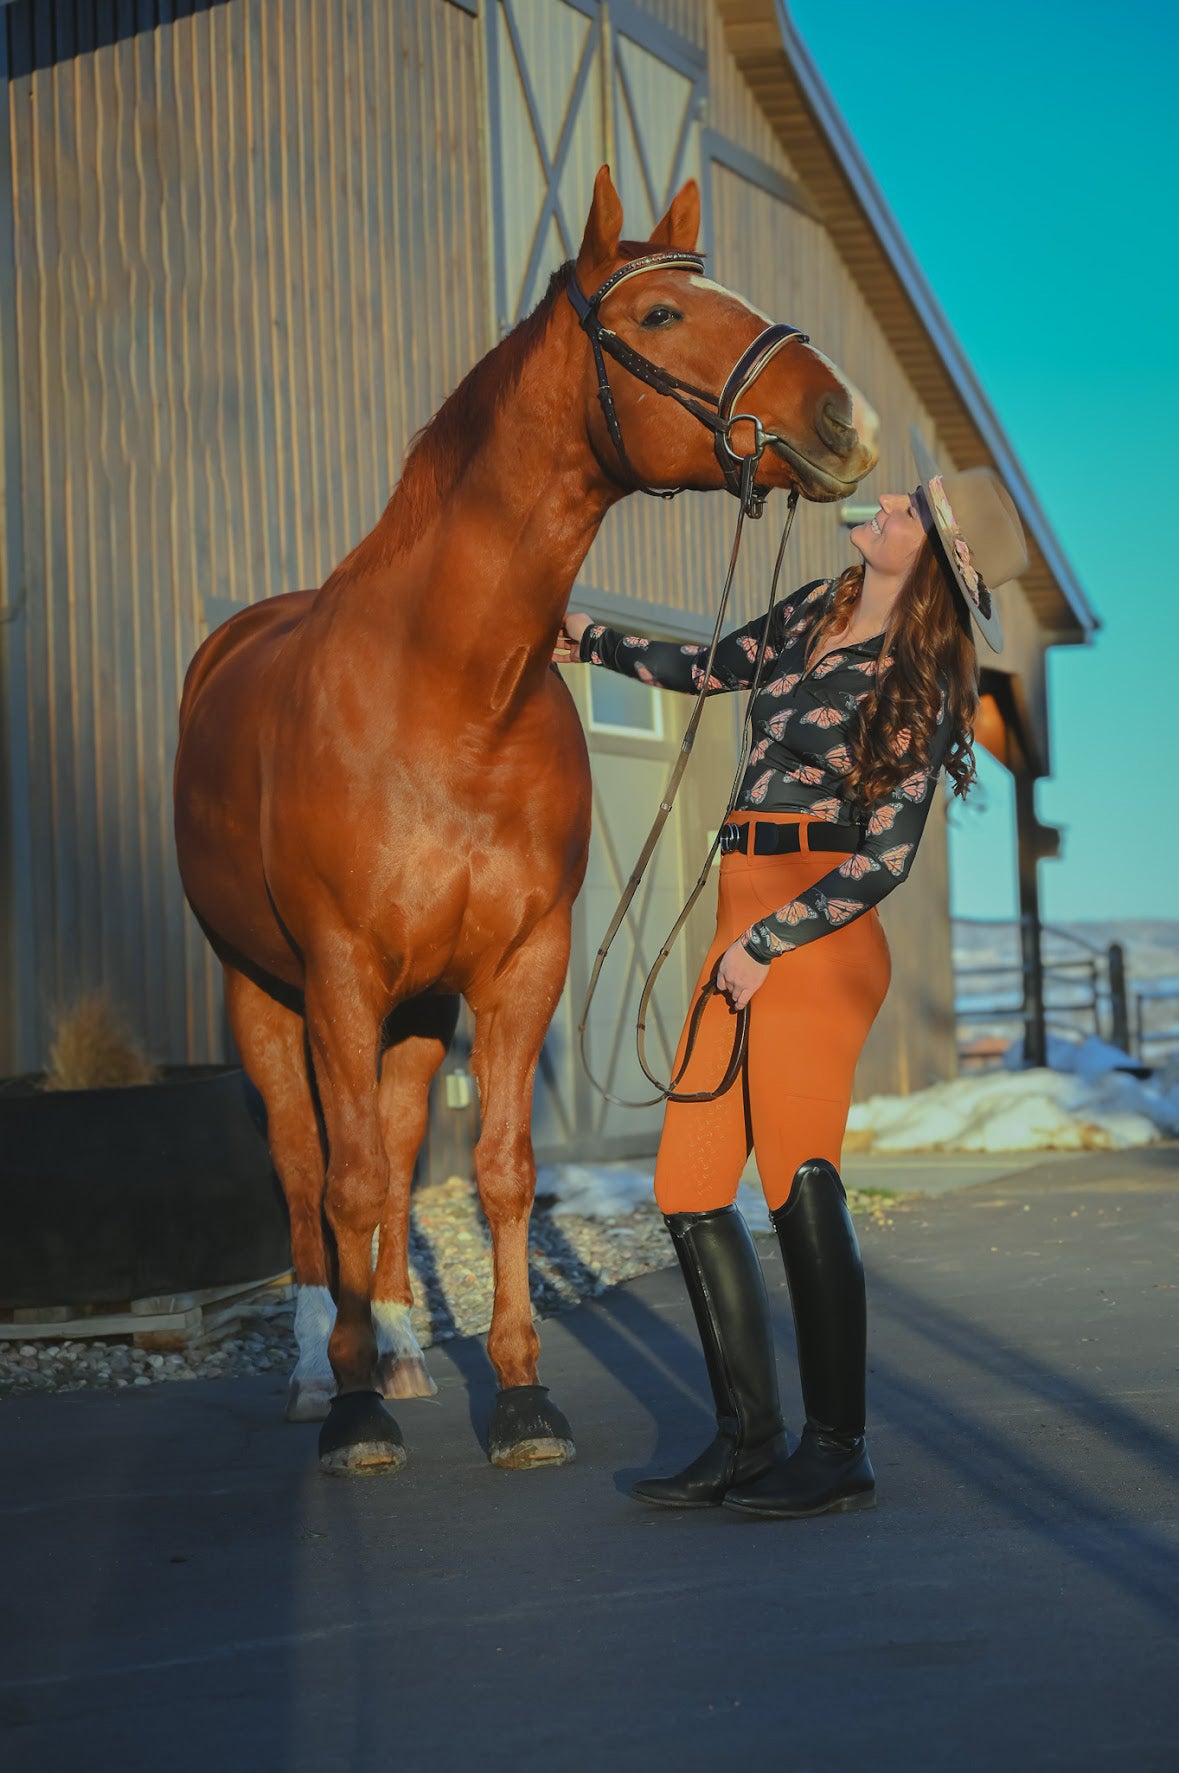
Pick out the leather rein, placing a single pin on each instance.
(740, 474)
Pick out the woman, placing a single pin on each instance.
(870, 691)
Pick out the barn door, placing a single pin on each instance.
(634, 735)
(657, 83)
(573, 83)
(561, 102)
(545, 103)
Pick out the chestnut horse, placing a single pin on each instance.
(383, 802)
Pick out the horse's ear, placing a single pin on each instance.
(603, 230)
(681, 225)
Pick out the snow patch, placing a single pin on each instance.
(1084, 1100)
(595, 1191)
(610, 1190)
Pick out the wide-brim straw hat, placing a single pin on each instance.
(974, 519)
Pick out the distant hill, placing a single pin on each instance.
(1151, 944)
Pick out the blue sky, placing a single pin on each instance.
(1028, 153)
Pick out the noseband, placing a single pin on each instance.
(744, 373)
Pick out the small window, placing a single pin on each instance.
(623, 705)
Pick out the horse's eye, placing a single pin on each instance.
(661, 317)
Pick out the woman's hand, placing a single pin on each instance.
(568, 648)
(738, 975)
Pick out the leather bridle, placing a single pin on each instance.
(752, 361)
(740, 472)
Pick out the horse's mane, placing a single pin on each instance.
(439, 454)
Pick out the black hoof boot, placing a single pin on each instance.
(824, 1475)
(830, 1471)
(360, 1437)
(722, 1271)
(527, 1430)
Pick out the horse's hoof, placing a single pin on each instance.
(527, 1430)
(308, 1403)
(404, 1376)
(360, 1437)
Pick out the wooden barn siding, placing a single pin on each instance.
(250, 262)
(17, 979)
(234, 439)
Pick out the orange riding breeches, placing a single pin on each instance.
(807, 1026)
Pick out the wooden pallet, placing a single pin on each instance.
(167, 1321)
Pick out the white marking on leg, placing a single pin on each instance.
(315, 1317)
(393, 1332)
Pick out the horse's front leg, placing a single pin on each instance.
(344, 1007)
(512, 1014)
(418, 1035)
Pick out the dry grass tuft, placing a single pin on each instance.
(93, 1049)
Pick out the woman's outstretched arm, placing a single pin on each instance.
(667, 664)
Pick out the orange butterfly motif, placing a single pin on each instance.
(748, 646)
(838, 911)
(643, 675)
(839, 759)
(758, 752)
(776, 724)
(782, 686)
(902, 742)
(775, 944)
(883, 819)
(714, 682)
(867, 666)
(914, 786)
(827, 665)
(826, 809)
(894, 860)
(796, 912)
(806, 773)
(858, 865)
(758, 792)
(822, 717)
(635, 640)
(693, 651)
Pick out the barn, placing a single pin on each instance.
(246, 248)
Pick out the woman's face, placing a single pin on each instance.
(892, 540)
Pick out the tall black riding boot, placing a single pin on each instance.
(830, 1470)
(728, 1294)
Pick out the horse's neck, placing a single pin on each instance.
(486, 584)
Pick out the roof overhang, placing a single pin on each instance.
(779, 71)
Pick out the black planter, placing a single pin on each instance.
(110, 1195)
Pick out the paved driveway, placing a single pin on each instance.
(181, 1590)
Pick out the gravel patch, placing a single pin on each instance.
(570, 1259)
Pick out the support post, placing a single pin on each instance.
(1035, 1046)
(1119, 1009)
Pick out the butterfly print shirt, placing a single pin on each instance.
(802, 721)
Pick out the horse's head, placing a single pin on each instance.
(822, 431)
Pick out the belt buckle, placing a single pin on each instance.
(730, 837)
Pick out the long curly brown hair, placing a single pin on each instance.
(927, 652)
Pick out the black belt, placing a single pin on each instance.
(784, 840)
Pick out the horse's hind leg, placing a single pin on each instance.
(272, 1042)
(512, 1014)
(418, 1034)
